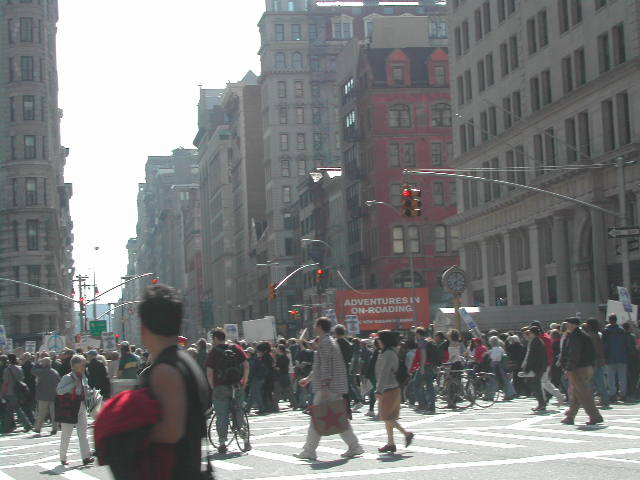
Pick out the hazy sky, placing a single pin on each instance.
(129, 72)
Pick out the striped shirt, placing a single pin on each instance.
(329, 370)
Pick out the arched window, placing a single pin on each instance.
(281, 61)
(400, 116)
(403, 280)
(441, 115)
(440, 238)
(296, 60)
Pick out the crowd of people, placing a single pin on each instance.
(572, 362)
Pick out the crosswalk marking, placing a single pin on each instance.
(524, 437)
(277, 456)
(595, 433)
(59, 470)
(623, 460)
(478, 443)
(229, 466)
(412, 448)
(4, 476)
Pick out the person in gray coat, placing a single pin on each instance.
(47, 380)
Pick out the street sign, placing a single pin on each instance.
(109, 341)
(625, 299)
(3, 336)
(30, 346)
(96, 327)
(623, 232)
(353, 324)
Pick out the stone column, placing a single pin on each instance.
(561, 257)
(510, 271)
(599, 245)
(487, 275)
(537, 270)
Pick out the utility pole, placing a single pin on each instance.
(622, 220)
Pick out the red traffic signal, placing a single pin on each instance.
(406, 192)
(293, 312)
(81, 300)
(320, 272)
(154, 281)
(411, 202)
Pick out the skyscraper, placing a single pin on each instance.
(35, 224)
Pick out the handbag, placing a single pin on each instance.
(330, 418)
(67, 407)
(20, 389)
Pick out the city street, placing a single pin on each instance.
(480, 444)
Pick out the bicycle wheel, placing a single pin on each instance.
(212, 433)
(466, 392)
(243, 434)
(485, 398)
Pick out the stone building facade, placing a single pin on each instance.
(546, 94)
(35, 224)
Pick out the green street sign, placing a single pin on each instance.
(96, 327)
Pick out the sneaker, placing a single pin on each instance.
(595, 421)
(408, 439)
(88, 461)
(370, 413)
(353, 452)
(567, 421)
(222, 449)
(305, 456)
(387, 449)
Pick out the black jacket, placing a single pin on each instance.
(98, 377)
(536, 358)
(578, 351)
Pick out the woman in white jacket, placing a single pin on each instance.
(388, 390)
(75, 383)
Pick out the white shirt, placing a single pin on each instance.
(496, 354)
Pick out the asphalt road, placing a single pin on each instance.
(504, 441)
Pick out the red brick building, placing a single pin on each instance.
(396, 114)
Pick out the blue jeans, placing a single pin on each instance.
(619, 371)
(256, 389)
(599, 384)
(354, 391)
(503, 378)
(12, 406)
(424, 390)
(227, 398)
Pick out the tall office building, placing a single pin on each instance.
(35, 224)
(300, 43)
(547, 94)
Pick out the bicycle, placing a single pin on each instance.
(454, 387)
(239, 430)
(486, 390)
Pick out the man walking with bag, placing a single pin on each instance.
(329, 384)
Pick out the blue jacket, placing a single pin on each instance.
(615, 344)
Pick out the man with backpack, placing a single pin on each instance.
(578, 358)
(427, 359)
(346, 347)
(228, 373)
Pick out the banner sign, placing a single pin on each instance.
(387, 308)
(109, 341)
(231, 332)
(30, 346)
(9, 345)
(625, 298)
(353, 324)
(3, 336)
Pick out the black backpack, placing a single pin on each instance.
(229, 369)
(402, 376)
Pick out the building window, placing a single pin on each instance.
(468, 91)
(570, 140)
(550, 147)
(463, 138)
(436, 153)
(580, 67)
(438, 29)
(281, 62)
(471, 134)
(440, 238)
(285, 168)
(504, 59)
(521, 174)
(567, 75)
(29, 147)
(545, 77)
(394, 154)
(624, 124)
(482, 84)
(576, 11)
(584, 138)
(458, 41)
(608, 129)
(284, 142)
(486, 16)
(31, 194)
(279, 32)
(300, 115)
(531, 36)
(398, 75)
(26, 29)
(563, 15)
(409, 155)
(28, 107)
(511, 172)
(495, 175)
(400, 116)
(26, 69)
(286, 194)
(317, 142)
(477, 16)
(296, 60)
(465, 36)
(314, 63)
(501, 11)
(538, 154)
(438, 194)
(484, 126)
(16, 237)
(316, 116)
(441, 115)
(12, 109)
(33, 277)
(299, 89)
(535, 93)
(619, 51)
(408, 279)
(302, 167)
(301, 142)
(413, 239)
(513, 51)
(315, 90)
(604, 57)
(283, 115)
(32, 235)
(313, 32)
(460, 89)
(282, 89)
(507, 114)
(398, 240)
(296, 32)
(488, 61)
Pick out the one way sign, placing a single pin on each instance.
(623, 232)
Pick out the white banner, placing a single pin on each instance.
(231, 331)
(30, 346)
(9, 345)
(353, 324)
(109, 341)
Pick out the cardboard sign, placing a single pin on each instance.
(625, 299)
(109, 341)
(385, 308)
(231, 331)
(353, 324)
(9, 345)
(30, 346)
(52, 343)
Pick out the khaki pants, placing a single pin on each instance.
(81, 427)
(580, 393)
(45, 408)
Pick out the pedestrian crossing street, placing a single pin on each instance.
(505, 435)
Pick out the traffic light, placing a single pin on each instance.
(272, 291)
(411, 202)
(83, 309)
(155, 281)
(320, 273)
(294, 314)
